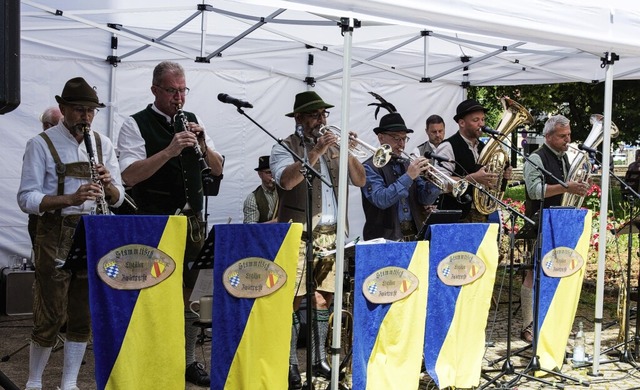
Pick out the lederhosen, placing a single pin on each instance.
(60, 295)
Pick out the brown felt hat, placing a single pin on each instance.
(77, 91)
(306, 102)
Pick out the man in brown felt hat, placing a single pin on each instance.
(396, 199)
(62, 295)
(310, 113)
(464, 148)
(261, 204)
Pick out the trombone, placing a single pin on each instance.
(381, 155)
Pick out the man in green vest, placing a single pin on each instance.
(161, 155)
(260, 205)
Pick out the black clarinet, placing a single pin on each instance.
(102, 207)
(181, 118)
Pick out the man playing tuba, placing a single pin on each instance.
(464, 147)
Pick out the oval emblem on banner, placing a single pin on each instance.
(253, 277)
(134, 267)
(460, 268)
(389, 284)
(561, 261)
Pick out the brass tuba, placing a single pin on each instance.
(494, 158)
(580, 168)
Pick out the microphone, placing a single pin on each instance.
(224, 98)
(515, 183)
(300, 131)
(436, 157)
(587, 149)
(489, 130)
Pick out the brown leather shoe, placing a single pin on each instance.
(527, 333)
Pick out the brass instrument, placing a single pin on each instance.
(494, 158)
(102, 207)
(381, 155)
(181, 118)
(441, 180)
(580, 168)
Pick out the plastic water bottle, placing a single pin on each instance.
(578, 345)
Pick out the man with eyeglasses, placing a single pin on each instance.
(310, 113)
(260, 206)
(396, 199)
(160, 164)
(464, 148)
(57, 186)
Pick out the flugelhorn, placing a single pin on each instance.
(381, 155)
(441, 180)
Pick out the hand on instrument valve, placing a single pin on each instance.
(577, 188)
(324, 141)
(181, 140)
(416, 167)
(103, 175)
(487, 179)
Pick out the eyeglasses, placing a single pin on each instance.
(398, 139)
(318, 115)
(80, 110)
(173, 91)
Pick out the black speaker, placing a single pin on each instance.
(16, 291)
(9, 56)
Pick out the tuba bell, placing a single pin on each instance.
(494, 158)
(580, 168)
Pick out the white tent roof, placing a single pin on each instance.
(410, 52)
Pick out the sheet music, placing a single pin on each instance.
(204, 285)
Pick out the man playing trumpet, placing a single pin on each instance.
(396, 198)
(310, 114)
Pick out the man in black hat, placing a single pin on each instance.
(159, 162)
(310, 113)
(464, 148)
(396, 199)
(59, 295)
(261, 204)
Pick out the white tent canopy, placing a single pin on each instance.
(416, 54)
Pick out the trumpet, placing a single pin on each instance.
(381, 155)
(445, 182)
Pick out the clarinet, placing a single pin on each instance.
(181, 118)
(102, 208)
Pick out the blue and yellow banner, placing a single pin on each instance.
(454, 339)
(251, 336)
(387, 343)
(563, 231)
(138, 334)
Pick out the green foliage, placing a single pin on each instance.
(577, 101)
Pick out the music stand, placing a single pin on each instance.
(77, 257)
(205, 256)
(438, 217)
(210, 187)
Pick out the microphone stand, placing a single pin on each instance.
(626, 356)
(534, 364)
(309, 174)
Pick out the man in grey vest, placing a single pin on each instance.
(261, 204)
(160, 162)
(58, 186)
(435, 132)
(551, 156)
(310, 113)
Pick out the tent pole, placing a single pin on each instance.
(604, 210)
(112, 89)
(347, 30)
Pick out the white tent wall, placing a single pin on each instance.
(43, 77)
